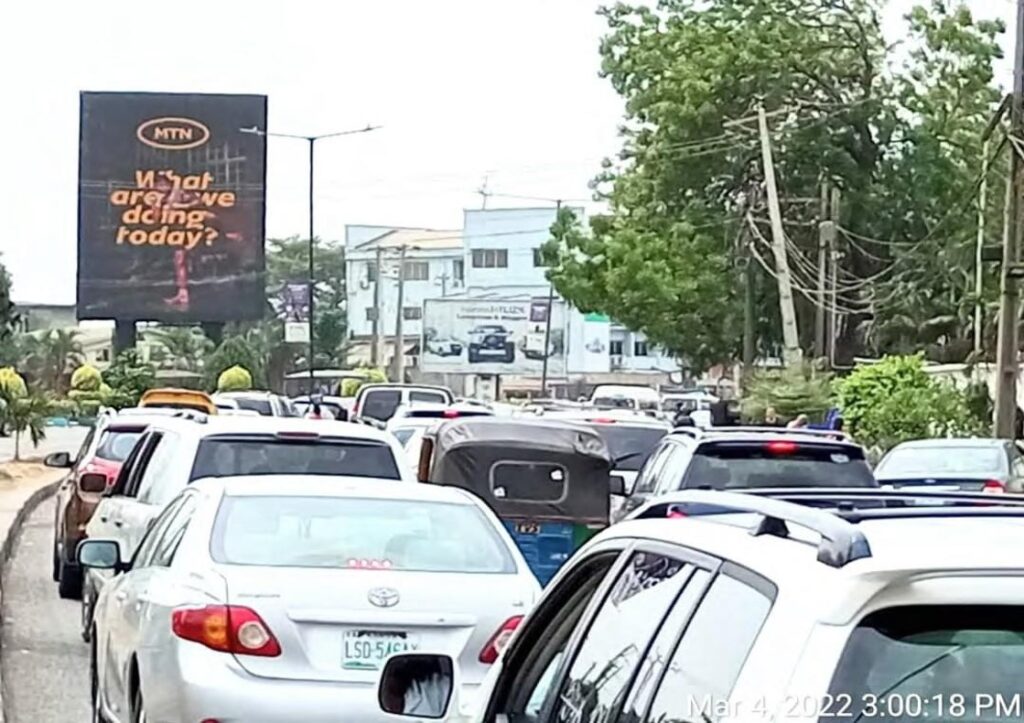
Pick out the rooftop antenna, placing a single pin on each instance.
(484, 192)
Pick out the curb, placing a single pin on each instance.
(6, 551)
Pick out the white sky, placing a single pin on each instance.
(463, 88)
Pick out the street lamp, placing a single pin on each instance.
(311, 281)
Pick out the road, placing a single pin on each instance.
(58, 439)
(45, 663)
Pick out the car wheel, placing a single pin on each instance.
(69, 581)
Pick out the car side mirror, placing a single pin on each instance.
(617, 485)
(100, 555)
(60, 460)
(418, 685)
(93, 482)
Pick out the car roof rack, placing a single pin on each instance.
(834, 434)
(831, 513)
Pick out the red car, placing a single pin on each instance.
(90, 473)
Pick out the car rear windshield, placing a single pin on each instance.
(116, 444)
(338, 532)
(777, 464)
(260, 406)
(256, 455)
(381, 404)
(951, 460)
(635, 444)
(943, 662)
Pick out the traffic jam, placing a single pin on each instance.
(405, 554)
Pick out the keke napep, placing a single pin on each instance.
(548, 481)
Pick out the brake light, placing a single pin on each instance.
(603, 420)
(499, 641)
(781, 447)
(450, 413)
(226, 629)
(298, 435)
(993, 487)
(675, 513)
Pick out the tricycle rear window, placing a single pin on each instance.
(529, 481)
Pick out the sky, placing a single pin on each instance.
(464, 89)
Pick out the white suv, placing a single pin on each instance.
(799, 605)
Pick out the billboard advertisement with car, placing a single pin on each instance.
(466, 336)
(171, 207)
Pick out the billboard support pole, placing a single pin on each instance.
(547, 323)
(399, 331)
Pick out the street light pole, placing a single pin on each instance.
(311, 271)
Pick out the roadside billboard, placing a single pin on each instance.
(467, 336)
(171, 207)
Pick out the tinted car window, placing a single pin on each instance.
(945, 662)
(260, 406)
(428, 397)
(528, 481)
(345, 532)
(255, 455)
(711, 653)
(618, 637)
(116, 444)
(777, 464)
(634, 444)
(381, 404)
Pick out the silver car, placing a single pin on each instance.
(279, 598)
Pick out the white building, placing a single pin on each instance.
(496, 255)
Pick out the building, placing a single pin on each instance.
(495, 256)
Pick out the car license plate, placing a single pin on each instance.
(527, 528)
(368, 649)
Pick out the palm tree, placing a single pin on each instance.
(53, 355)
(182, 348)
(27, 414)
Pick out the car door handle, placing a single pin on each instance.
(118, 523)
(104, 518)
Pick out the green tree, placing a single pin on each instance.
(128, 377)
(27, 415)
(235, 351)
(687, 188)
(179, 347)
(86, 378)
(235, 379)
(10, 319)
(51, 357)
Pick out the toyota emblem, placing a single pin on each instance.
(383, 597)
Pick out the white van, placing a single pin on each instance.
(626, 396)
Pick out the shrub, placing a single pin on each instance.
(350, 387)
(12, 384)
(86, 378)
(235, 379)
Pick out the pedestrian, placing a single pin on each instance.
(800, 422)
(771, 418)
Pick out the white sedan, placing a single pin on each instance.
(278, 598)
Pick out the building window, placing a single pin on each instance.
(412, 313)
(103, 355)
(459, 269)
(640, 347)
(490, 258)
(416, 270)
(538, 258)
(615, 347)
(371, 272)
(371, 313)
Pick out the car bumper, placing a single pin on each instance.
(205, 685)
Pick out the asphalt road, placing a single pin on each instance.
(58, 439)
(45, 663)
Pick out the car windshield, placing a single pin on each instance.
(945, 662)
(116, 444)
(260, 406)
(243, 455)
(615, 402)
(951, 460)
(335, 532)
(634, 444)
(777, 464)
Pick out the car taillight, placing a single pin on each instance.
(603, 420)
(227, 629)
(993, 487)
(675, 513)
(781, 447)
(499, 640)
(450, 413)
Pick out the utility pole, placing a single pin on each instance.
(1009, 302)
(790, 333)
(375, 346)
(749, 333)
(832, 323)
(547, 320)
(979, 249)
(826, 230)
(399, 333)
